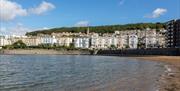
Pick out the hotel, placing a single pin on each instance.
(173, 34)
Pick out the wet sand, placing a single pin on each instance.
(170, 80)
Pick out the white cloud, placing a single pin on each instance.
(10, 10)
(42, 8)
(82, 23)
(19, 29)
(45, 28)
(157, 13)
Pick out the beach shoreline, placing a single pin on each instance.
(170, 80)
(44, 52)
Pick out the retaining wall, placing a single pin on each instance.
(136, 52)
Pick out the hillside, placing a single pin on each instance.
(101, 29)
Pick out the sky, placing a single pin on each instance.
(21, 16)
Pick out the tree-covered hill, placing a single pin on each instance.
(101, 29)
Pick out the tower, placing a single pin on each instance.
(87, 32)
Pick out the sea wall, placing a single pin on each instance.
(124, 52)
(45, 51)
(139, 52)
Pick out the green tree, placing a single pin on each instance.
(127, 46)
(45, 46)
(101, 29)
(112, 47)
(72, 46)
(8, 47)
(19, 44)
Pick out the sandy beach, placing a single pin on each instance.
(170, 80)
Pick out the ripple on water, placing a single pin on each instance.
(77, 73)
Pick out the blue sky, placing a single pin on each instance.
(60, 13)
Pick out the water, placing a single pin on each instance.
(76, 73)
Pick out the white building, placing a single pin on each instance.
(122, 41)
(31, 41)
(161, 41)
(133, 41)
(2, 38)
(114, 41)
(94, 42)
(5, 40)
(82, 42)
(150, 38)
(98, 43)
(47, 39)
(150, 41)
(103, 42)
(64, 41)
